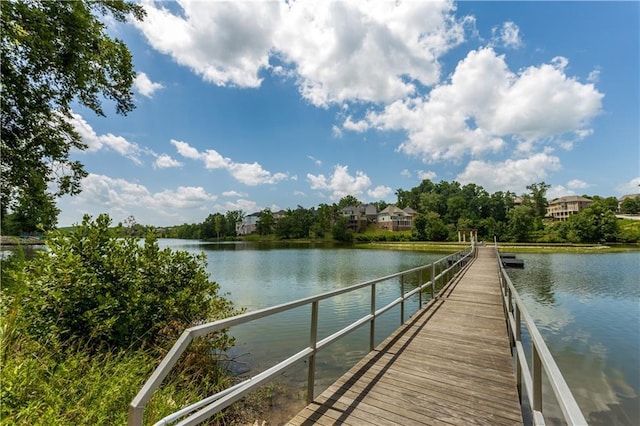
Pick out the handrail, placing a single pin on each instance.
(219, 401)
(542, 359)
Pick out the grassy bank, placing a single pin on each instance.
(510, 247)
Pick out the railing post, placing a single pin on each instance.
(313, 339)
(372, 323)
(537, 379)
(402, 302)
(420, 286)
(518, 339)
(433, 280)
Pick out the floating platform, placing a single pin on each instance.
(509, 261)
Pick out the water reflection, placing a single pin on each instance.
(587, 307)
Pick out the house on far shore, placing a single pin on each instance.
(359, 217)
(626, 197)
(394, 218)
(561, 208)
(248, 224)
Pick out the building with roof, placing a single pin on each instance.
(561, 208)
(394, 218)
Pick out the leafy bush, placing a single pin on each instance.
(94, 288)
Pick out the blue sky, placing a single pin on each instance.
(253, 105)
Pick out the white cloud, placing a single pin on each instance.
(379, 192)
(165, 161)
(248, 173)
(594, 76)
(246, 206)
(426, 175)
(340, 184)
(121, 198)
(406, 173)
(510, 175)
(336, 132)
(631, 187)
(145, 86)
(507, 36)
(336, 51)
(577, 184)
(186, 150)
(96, 142)
(227, 43)
(315, 160)
(365, 50)
(359, 126)
(234, 194)
(462, 117)
(557, 191)
(253, 174)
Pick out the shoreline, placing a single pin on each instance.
(511, 247)
(9, 240)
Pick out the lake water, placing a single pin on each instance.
(586, 306)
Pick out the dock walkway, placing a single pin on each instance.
(449, 364)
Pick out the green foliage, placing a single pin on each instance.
(83, 324)
(93, 288)
(538, 198)
(593, 225)
(54, 53)
(629, 231)
(341, 231)
(265, 223)
(521, 222)
(630, 205)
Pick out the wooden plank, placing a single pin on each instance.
(449, 364)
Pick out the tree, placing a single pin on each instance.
(521, 222)
(348, 200)
(539, 198)
(630, 205)
(54, 53)
(341, 231)
(264, 226)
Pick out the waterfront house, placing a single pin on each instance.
(561, 208)
(394, 218)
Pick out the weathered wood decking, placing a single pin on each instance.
(449, 364)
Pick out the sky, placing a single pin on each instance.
(271, 104)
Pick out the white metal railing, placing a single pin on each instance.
(542, 360)
(448, 267)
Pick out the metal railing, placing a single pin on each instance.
(448, 268)
(542, 360)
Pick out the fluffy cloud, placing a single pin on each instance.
(510, 175)
(464, 117)
(164, 161)
(365, 50)
(631, 187)
(379, 192)
(251, 174)
(227, 43)
(96, 142)
(426, 175)
(341, 183)
(145, 86)
(577, 184)
(121, 198)
(336, 51)
(508, 36)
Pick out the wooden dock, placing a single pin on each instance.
(449, 364)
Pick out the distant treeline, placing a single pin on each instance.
(442, 208)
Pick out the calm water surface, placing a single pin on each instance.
(587, 307)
